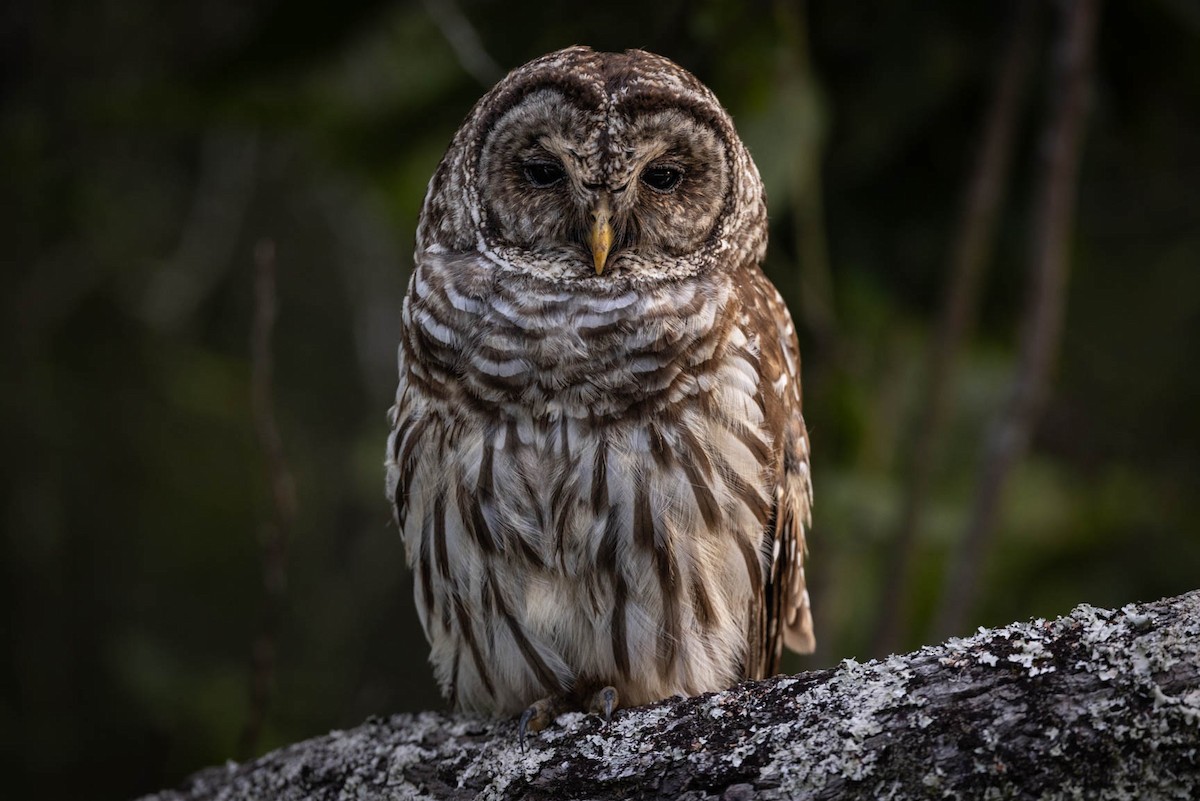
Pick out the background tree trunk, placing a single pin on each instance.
(1097, 704)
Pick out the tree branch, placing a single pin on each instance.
(968, 261)
(276, 534)
(1098, 704)
(464, 41)
(1045, 307)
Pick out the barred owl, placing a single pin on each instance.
(597, 458)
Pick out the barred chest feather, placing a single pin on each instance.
(581, 479)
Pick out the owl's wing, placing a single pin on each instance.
(788, 602)
(788, 618)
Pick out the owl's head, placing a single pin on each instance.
(586, 166)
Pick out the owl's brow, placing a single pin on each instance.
(694, 108)
(544, 143)
(501, 99)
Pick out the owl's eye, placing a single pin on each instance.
(662, 178)
(543, 173)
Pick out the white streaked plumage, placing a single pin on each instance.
(600, 479)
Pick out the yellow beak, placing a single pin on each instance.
(601, 236)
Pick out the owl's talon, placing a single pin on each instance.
(536, 717)
(604, 701)
(526, 716)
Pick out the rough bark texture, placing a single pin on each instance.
(1098, 704)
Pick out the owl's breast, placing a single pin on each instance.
(591, 472)
(585, 349)
(564, 553)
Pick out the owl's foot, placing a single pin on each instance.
(538, 716)
(542, 713)
(605, 700)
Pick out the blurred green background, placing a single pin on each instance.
(146, 147)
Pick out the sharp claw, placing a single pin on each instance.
(523, 726)
(536, 717)
(604, 701)
(610, 699)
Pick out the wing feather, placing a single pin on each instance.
(788, 620)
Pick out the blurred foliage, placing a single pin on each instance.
(145, 147)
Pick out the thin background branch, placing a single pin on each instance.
(972, 248)
(283, 495)
(1045, 307)
(229, 163)
(464, 40)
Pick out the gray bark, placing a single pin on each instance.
(1098, 704)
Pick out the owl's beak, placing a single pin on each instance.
(601, 237)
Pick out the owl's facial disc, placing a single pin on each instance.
(591, 190)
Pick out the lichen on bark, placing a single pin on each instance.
(1097, 704)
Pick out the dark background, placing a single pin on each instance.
(146, 147)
